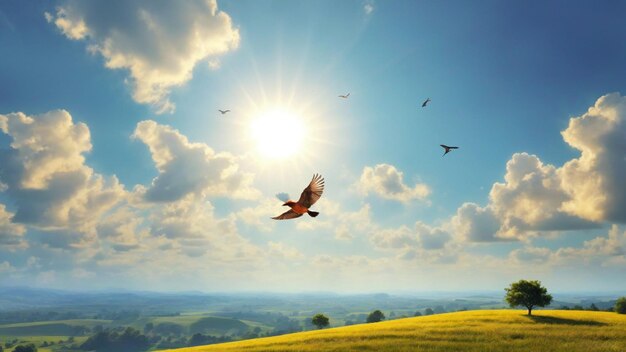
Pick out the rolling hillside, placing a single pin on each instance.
(480, 331)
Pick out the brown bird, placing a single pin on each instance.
(425, 102)
(344, 96)
(223, 111)
(447, 148)
(309, 196)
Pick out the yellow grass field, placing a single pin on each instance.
(480, 331)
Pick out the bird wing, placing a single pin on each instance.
(312, 192)
(453, 147)
(347, 95)
(289, 214)
(444, 146)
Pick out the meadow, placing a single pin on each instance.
(479, 331)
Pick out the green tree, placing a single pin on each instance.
(25, 348)
(429, 311)
(320, 320)
(375, 316)
(529, 294)
(620, 305)
(593, 307)
(417, 314)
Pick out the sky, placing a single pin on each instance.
(117, 171)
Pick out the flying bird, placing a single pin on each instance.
(344, 96)
(447, 148)
(426, 102)
(223, 111)
(309, 196)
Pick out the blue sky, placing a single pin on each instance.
(138, 181)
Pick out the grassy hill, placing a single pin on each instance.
(480, 331)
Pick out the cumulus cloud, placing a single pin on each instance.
(158, 42)
(121, 229)
(46, 176)
(431, 237)
(387, 182)
(474, 223)
(257, 216)
(397, 238)
(412, 242)
(345, 224)
(189, 168)
(283, 251)
(11, 234)
(605, 250)
(195, 230)
(580, 194)
(595, 180)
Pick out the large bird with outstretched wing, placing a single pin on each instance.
(309, 196)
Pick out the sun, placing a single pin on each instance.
(278, 133)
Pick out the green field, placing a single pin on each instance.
(479, 331)
(50, 328)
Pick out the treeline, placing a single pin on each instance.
(32, 316)
(28, 316)
(591, 307)
(132, 340)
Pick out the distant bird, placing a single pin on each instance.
(309, 196)
(426, 102)
(344, 96)
(223, 111)
(448, 149)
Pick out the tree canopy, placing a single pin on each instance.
(25, 348)
(375, 316)
(320, 320)
(620, 305)
(528, 294)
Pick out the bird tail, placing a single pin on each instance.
(313, 213)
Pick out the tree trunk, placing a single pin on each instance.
(530, 309)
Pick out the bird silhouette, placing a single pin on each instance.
(447, 148)
(426, 102)
(309, 196)
(344, 96)
(223, 111)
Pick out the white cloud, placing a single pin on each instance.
(46, 176)
(422, 241)
(283, 251)
(189, 168)
(387, 182)
(605, 250)
(11, 234)
(192, 225)
(474, 223)
(368, 7)
(595, 180)
(345, 224)
(538, 197)
(431, 237)
(397, 238)
(121, 229)
(158, 42)
(259, 215)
